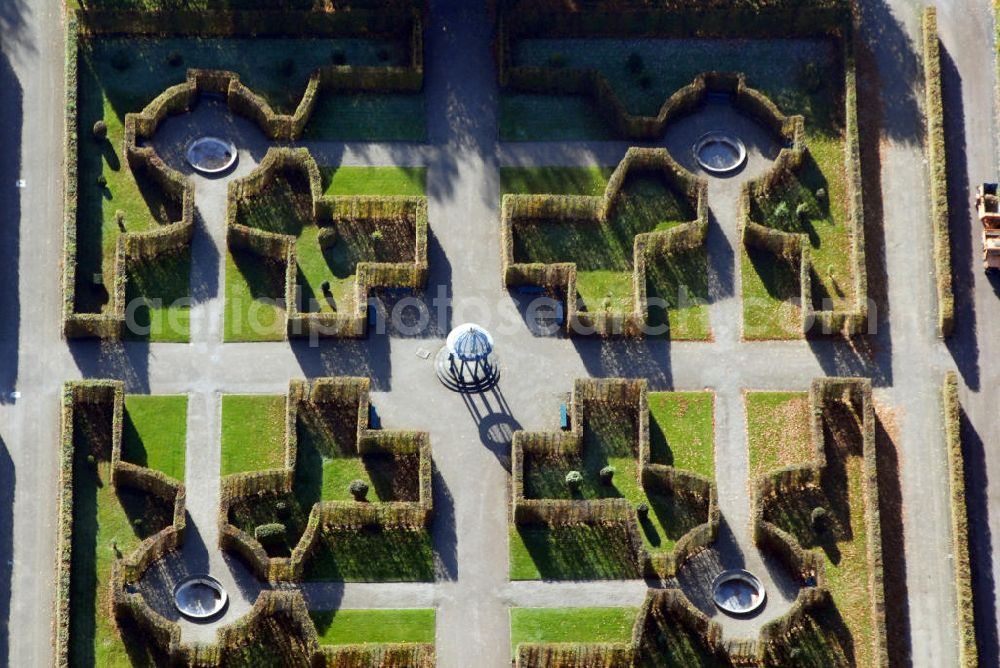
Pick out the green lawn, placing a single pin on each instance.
(253, 432)
(106, 520)
(154, 433)
(578, 552)
(603, 253)
(372, 555)
(368, 117)
(285, 207)
(590, 181)
(408, 181)
(162, 287)
(843, 541)
(345, 627)
(254, 298)
(576, 625)
(777, 430)
(771, 296)
(681, 430)
(778, 67)
(328, 460)
(119, 75)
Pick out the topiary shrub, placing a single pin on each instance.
(282, 508)
(100, 130)
(325, 287)
(803, 211)
(358, 489)
(377, 236)
(270, 535)
(810, 77)
(642, 510)
(634, 63)
(820, 194)
(120, 220)
(818, 518)
(327, 237)
(121, 60)
(607, 474)
(101, 181)
(574, 479)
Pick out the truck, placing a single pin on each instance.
(988, 208)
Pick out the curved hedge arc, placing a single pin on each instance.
(654, 477)
(326, 211)
(145, 246)
(808, 563)
(586, 210)
(326, 514)
(125, 475)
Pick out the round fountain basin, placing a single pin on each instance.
(211, 155)
(200, 597)
(720, 152)
(738, 592)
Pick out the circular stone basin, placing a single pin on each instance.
(737, 592)
(200, 597)
(719, 152)
(211, 155)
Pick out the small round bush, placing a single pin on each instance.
(100, 130)
(607, 473)
(358, 489)
(325, 287)
(574, 479)
(91, 460)
(282, 508)
(383, 55)
(811, 77)
(175, 59)
(338, 57)
(818, 518)
(121, 60)
(270, 534)
(634, 63)
(120, 220)
(377, 236)
(645, 82)
(642, 510)
(821, 194)
(557, 60)
(102, 180)
(137, 523)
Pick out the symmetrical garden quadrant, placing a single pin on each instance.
(292, 229)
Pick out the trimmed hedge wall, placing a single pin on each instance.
(631, 395)
(823, 393)
(586, 210)
(123, 474)
(795, 247)
(326, 514)
(327, 210)
(968, 651)
(146, 246)
(937, 161)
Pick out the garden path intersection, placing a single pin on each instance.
(470, 438)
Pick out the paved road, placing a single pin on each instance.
(471, 452)
(968, 38)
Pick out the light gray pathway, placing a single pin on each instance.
(470, 532)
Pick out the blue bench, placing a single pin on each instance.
(374, 421)
(563, 417)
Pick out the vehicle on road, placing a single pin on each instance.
(988, 208)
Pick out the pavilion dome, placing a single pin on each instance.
(470, 343)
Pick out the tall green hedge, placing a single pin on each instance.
(968, 651)
(937, 161)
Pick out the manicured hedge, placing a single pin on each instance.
(327, 210)
(791, 479)
(404, 24)
(326, 515)
(587, 210)
(937, 161)
(630, 395)
(795, 247)
(968, 652)
(123, 474)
